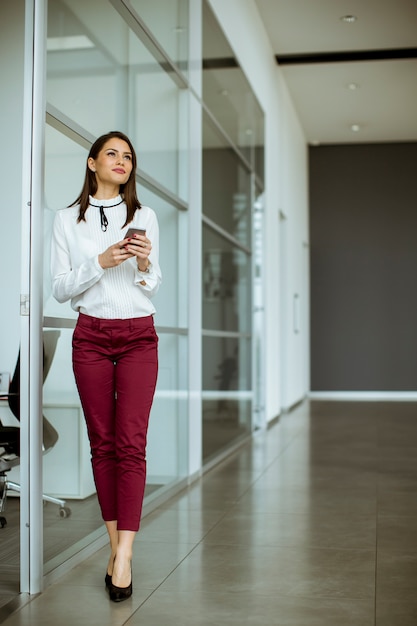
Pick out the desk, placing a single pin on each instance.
(66, 467)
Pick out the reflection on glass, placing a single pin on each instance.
(101, 76)
(228, 95)
(227, 399)
(67, 470)
(227, 365)
(168, 22)
(226, 285)
(226, 188)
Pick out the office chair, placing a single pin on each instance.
(10, 435)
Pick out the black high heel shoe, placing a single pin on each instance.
(118, 594)
(107, 580)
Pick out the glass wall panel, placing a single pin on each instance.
(168, 21)
(233, 162)
(174, 280)
(226, 285)
(226, 186)
(227, 399)
(168, 425)
(64, 174)
(228, 94)
(102, 77)
(12, 47)
(67, 468)
(67, 473)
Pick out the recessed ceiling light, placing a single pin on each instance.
(355, 128)
(353, 86)
(349, 19)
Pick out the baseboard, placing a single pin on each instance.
(375, 396)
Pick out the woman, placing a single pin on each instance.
(110, 279)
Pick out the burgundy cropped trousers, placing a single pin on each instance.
(115, 365)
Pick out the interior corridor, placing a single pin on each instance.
(311, 524)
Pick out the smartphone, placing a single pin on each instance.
(134, 231)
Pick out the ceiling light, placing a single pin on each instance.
(348, 19)
(353, 86)
(355, 128)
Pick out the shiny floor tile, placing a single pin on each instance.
(397, 533)
(396, 578)
(393, 613)
(318, 530)
(234, 609)
(269, 570)
(312, 523)
(303, 501)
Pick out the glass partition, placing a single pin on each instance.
(228, 95)
(227, 355)
(227, 396)
(168, 426)
(123, 64)
(100, 76)
(227, 185)
(12, 45)
(226, 285)
(173, 232)
(168, 22)
(233, 140)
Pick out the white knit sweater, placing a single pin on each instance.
(114, 293)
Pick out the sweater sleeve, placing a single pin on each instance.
(68, 281)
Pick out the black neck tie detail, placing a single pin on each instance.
(103, 219)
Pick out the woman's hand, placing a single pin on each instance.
(140, 247)
(114, 255)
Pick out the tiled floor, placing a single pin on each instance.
(312, 524)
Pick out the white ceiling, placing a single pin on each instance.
(384, 104)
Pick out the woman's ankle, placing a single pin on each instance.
(111, 563)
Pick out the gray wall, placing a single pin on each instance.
(363, 235)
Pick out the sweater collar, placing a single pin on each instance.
(105, 203)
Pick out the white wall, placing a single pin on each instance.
(294, 273)
(286, 172)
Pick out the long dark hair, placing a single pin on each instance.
(128, 190)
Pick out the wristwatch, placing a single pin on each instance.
(147, 269)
